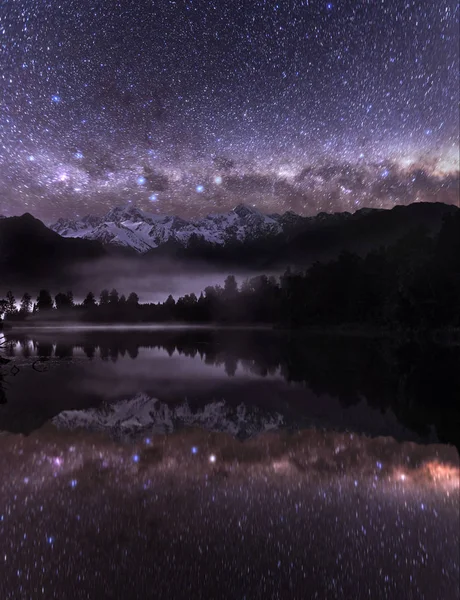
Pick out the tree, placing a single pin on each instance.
(246, 287)
(133, 299)
(170, 302)
(230, 287)
(122, 299)
(10, 304)
(104, 297)
(211, 291)
(26, 304)
(44, 301)
(3, 305)
(70, 301)
(113, 297)
(89, 301)
(63, 301)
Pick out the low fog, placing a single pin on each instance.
(152, 281)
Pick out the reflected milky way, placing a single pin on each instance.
(207, 516)
(290, 470)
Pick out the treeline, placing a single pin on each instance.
(414, 284)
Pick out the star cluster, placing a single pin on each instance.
(190, 107)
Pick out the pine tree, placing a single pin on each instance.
(11, 303)
(3, 305)
(170, 301)
(230, 287)
(90, 300)
(62, 301)
(133, 299)
(26, 303)
(113, 296)
(44, 301)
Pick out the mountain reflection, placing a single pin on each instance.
(419, 383)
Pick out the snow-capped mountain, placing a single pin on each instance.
(133, 228)
(143, 414)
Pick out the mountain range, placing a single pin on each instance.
(247, 234)
(133, 228)
(243, 237)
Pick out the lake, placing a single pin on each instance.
(227, 463)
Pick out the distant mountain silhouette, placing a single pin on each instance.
(30, 250)
(306, 240)
(246, 234)
(366, 230)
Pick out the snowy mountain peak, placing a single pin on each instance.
(244, 211)
(131, 227)
(125, 213)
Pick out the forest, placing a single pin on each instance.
(412, 284)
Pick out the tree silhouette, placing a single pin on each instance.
(230, 287)
(113, 296)
(10, 304)
(63, 301)
(3, 305)
(26, 303)
(170, 302)
(89, 301)
(70, 299)
(133, 299)
(44, 301)
(104, 297)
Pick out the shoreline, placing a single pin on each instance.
(351, 331)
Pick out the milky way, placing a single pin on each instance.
(189, 107)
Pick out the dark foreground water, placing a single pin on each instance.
(231, 464)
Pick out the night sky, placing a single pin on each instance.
(190, 107)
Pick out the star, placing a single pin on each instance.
(278, 105)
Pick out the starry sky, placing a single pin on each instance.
(191, 106)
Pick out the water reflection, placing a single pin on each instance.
(381, 387)
(336, 514)
(218, 464)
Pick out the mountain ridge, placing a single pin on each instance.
(28, 248)
(132, 228)
(244, 237)
(129, 226)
